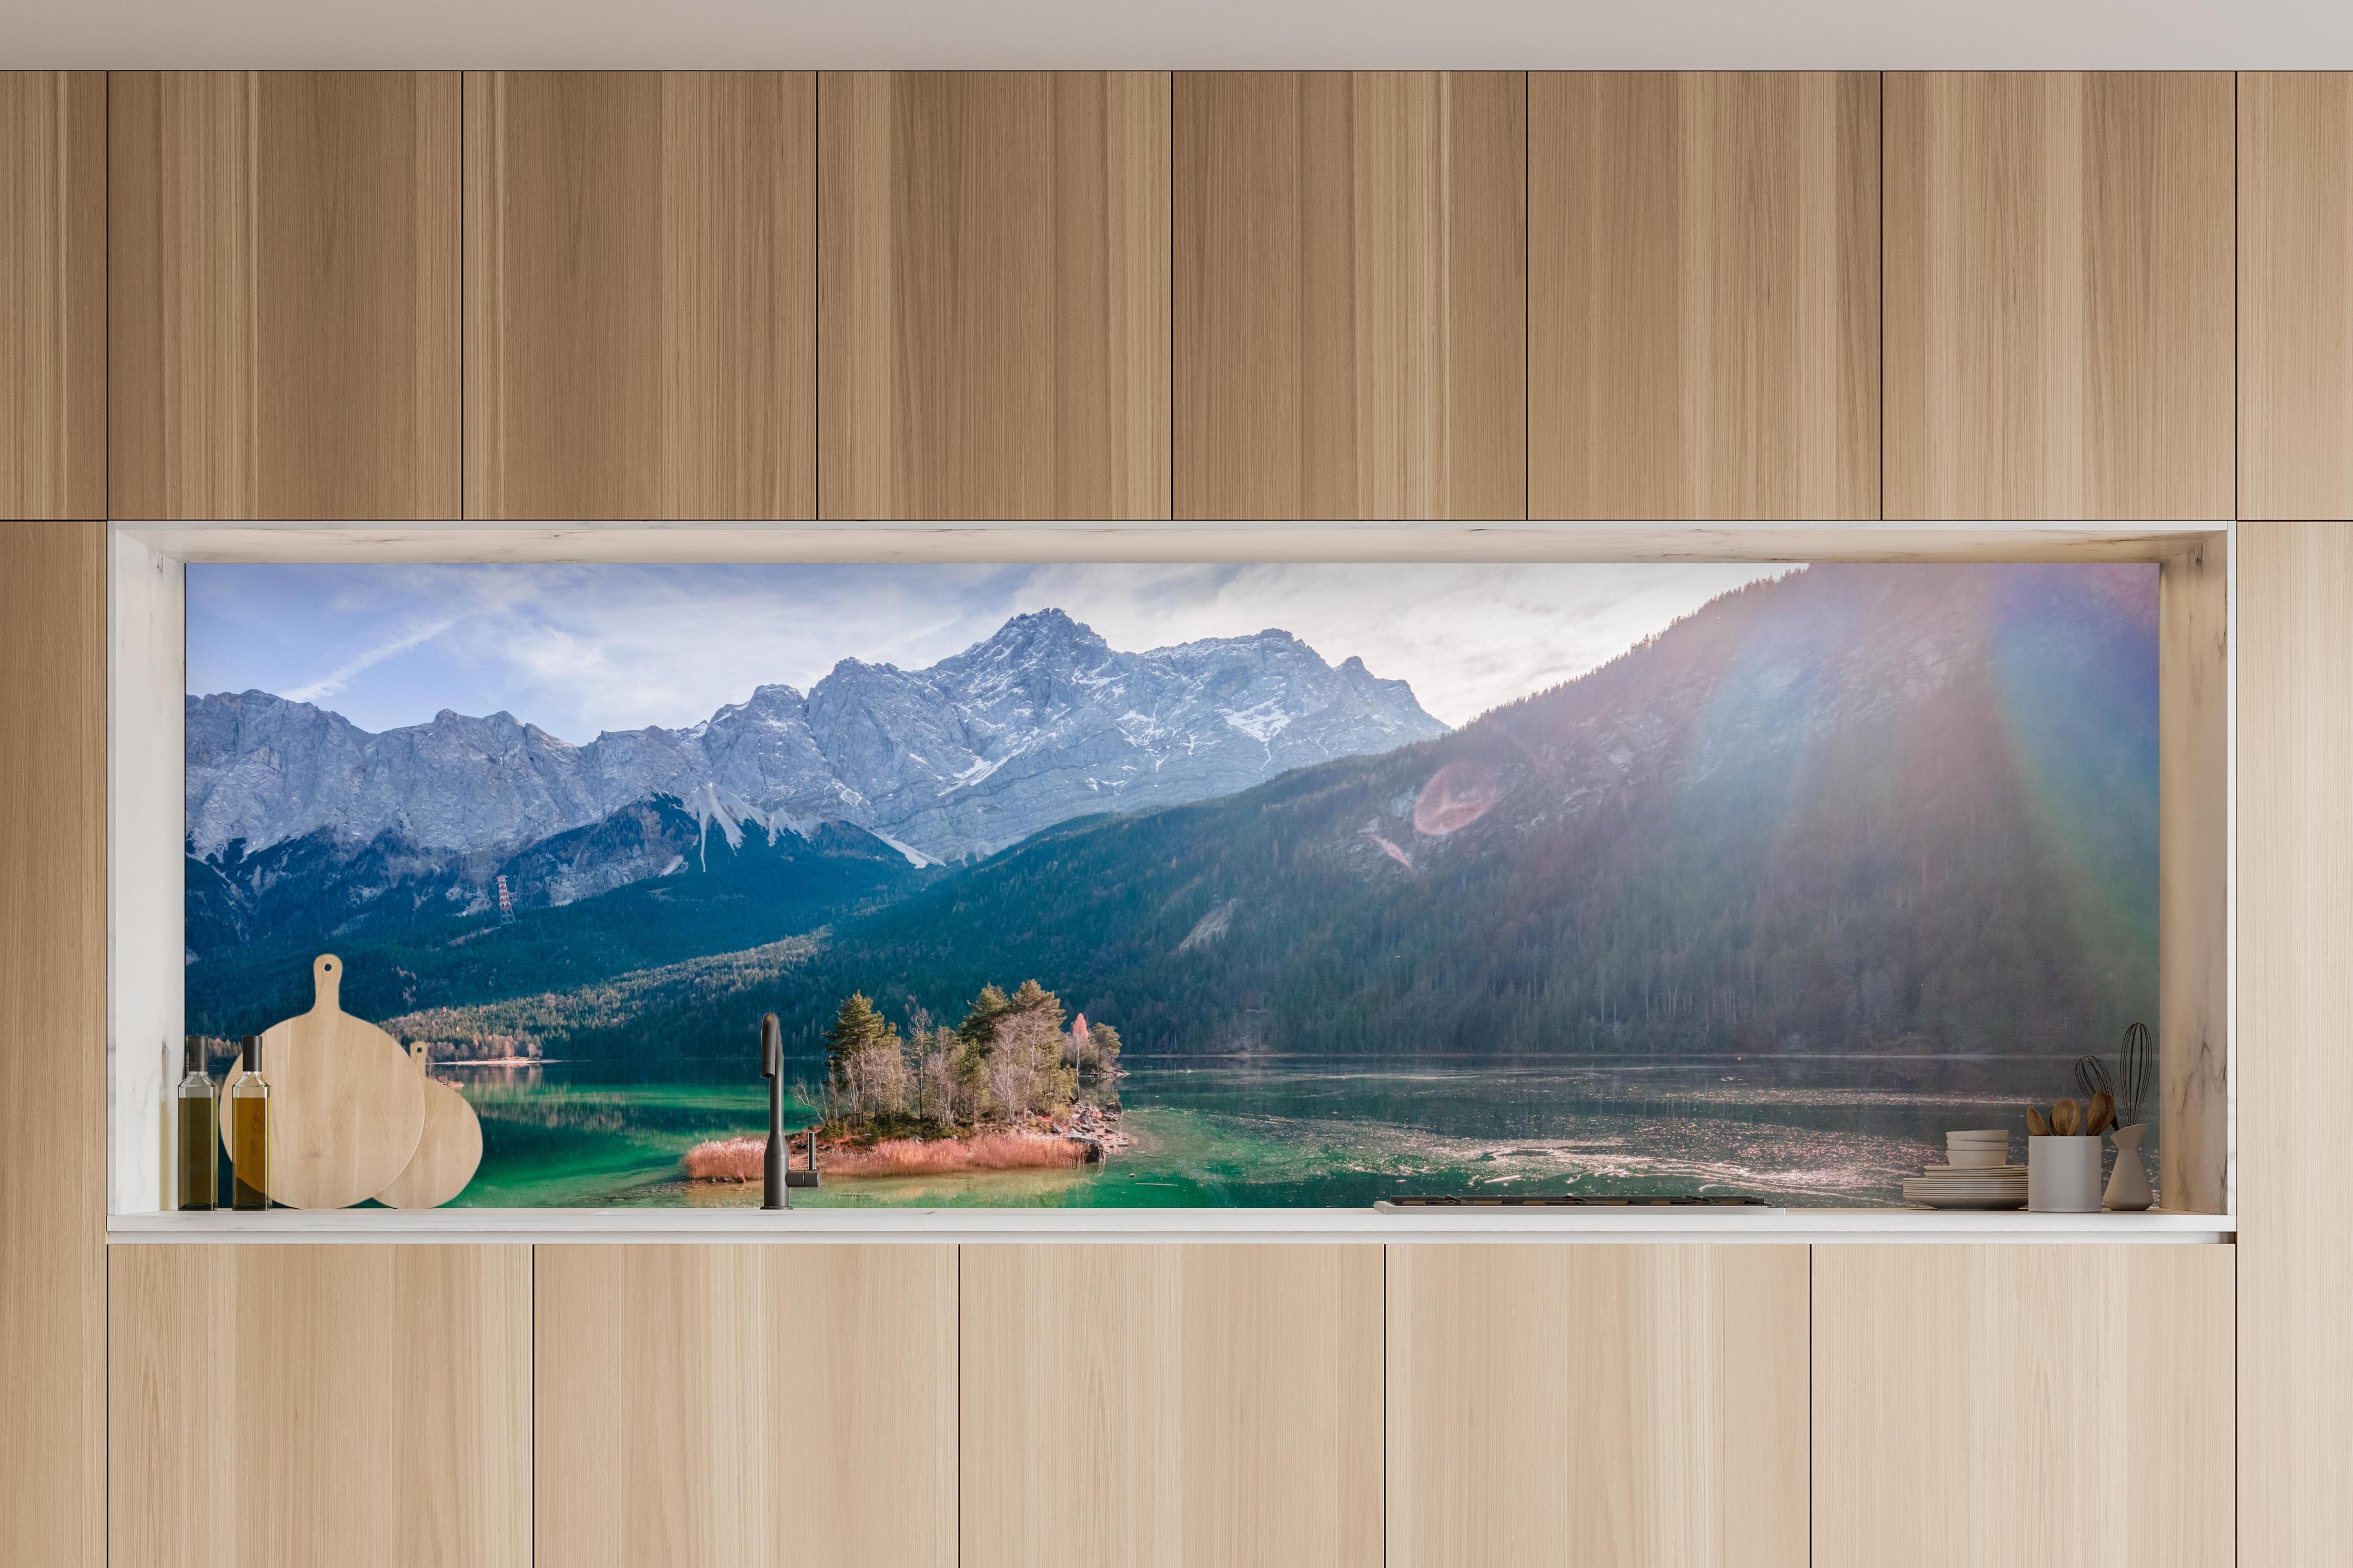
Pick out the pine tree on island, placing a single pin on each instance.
(1009, 1065)
(857, 1028)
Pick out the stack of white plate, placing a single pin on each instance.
(1968, 1187)
(1987, 1148)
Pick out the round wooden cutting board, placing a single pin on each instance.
(446, 1155)
(347, 1108)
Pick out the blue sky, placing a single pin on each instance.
(577, 649)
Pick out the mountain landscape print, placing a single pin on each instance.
(1252, 885)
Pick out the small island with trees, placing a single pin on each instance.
(1009, 1088)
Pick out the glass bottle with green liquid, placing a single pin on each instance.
(199, 1117)
(248, 1122)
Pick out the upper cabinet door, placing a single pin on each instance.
(994, 315)
(641, 294)
(1704, 294)
(1351, 294)
(2058, 295)
(53, 294)
(283, 294)
(2296, 294)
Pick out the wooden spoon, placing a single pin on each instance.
(2103, 1114)
(2036, 1125)
(2066, 1117)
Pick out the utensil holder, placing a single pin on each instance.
(2062, 1175)
(2128, 1184)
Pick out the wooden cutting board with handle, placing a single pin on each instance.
(347, 1108)
(446, 1155)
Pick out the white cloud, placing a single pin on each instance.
(341, 675)
(580, 648)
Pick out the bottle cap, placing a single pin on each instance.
(191, 1054)
(250, 1047)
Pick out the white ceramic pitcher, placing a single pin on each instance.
(2128, 1184)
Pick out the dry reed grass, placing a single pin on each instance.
(739, 1159)
(727, 1160)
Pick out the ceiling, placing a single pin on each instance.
(1184, 34)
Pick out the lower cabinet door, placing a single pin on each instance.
(283, 1405)
(1597, 1405)
(2023, 1407)
(1172, 1407)
(732, 1405)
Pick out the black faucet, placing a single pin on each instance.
(775, 1192)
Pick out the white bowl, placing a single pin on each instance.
(1992, 1155)
(1988, 1135)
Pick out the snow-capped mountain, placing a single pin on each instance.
(1041, 722)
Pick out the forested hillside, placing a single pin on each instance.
(659, 885)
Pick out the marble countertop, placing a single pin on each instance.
(1828, 1225)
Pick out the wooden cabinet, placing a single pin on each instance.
(53, 1019)
(1704, 294)
(1351, 294)
(994, 316)
(2296, 294)
(282, 294)
(1591, 1404)
(1172, 1407)
(2295, 1063)
(720, 1406)
(2042, 1406)
(280, 1405)
(641, 294)
(52, 294)
(2058, 295)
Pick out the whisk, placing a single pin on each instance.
(2135, 1060)
(2092, 1076)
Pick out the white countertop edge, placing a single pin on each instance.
(935, 1225)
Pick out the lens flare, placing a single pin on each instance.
(1457, 795)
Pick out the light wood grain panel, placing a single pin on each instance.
(1261, 542)
(2296, 1059)
(719, 1407)
(282, 294)
(52, 294)
(281, 1406)
(52, 1043)
(2193, 869)
(2059, 294)
(641, 294)
(994, 288)
(1704, 294)
(1579, 1404)
(1992, 1407)
(2296, 294)
(1351, 328)
(1172, 1407)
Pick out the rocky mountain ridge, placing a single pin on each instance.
(1040, 722)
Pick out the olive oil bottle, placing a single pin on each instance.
(199, 1117)
(248, 1121)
